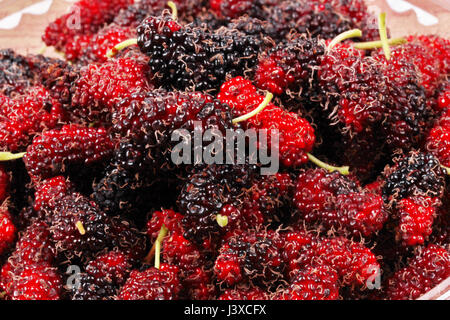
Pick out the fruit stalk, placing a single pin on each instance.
(258, 109)
(354, 33)
(343, 170)
(383, 35)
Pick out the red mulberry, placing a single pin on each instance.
(54, 149)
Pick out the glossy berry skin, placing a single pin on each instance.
(54, 149)
(345, 75)
(67, 214)
(145, 122)
(307, 18)
(101, 86)
(198, 284)
(7, 230)
(296, 135)
(427, 269)
(50, 190)
(353, 262)
(360, 212)
(443, 102)
(294, 242)
(4, 183)
(264, 202)
(250, 257)
(32, 249)
(337, 202)
(290, 66)
(112, 267)
(231, 8)
(207, 193)
(416, 173)
(134, 14)
(35, 282)
(193, 58)
(58, 76)
(139, 10)
(34, 246)
(439, 47)
(312, 283)
(167, 217)
(127, 238)
(104, 41)
(423, 59)
(408, 115)
(416, 219)
(186, 255)
(178, 251)
(254, 293)
(90, 16)
(438, 140)
(152, 284)
(316, 187)
(74, 47)
(89, 287)
(357, 12)
(166, 111)
(355, 9)
(26, 116)
(16, 75)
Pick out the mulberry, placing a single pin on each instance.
(428, 268)
(51, 152)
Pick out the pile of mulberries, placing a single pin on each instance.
(190, 57)
(224, 150)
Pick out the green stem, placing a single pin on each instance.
(62, 54)
(258, 109)
(343, 170)
(446, 169)
(383, 35)
(222, 221)
(173, 7)
(118, 47)
(379, 43)
(6, 156)
(80, 228)
(354, 33)
(43, 49)
(157, 244)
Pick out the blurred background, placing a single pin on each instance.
(23, 21)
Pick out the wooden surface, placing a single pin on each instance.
(26, 38)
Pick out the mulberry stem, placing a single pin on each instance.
(173, 7)
(446, 169)
(43, 49)
(383, 35)
(131, 42)
(6, 156)
(80, 228)
(343, 170)
(258, 109)
(379, 43)
(222, 220)
(354, 33)
(161, 235)
(118, 47)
